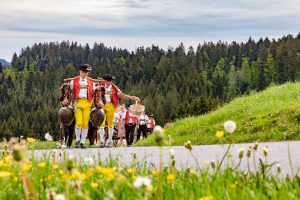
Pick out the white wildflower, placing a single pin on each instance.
(158, 130)
(141, 181)
(48, 137)
(230, 126)
(60, 197)
(89, 161)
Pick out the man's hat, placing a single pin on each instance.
(109, 77)
(85, 68)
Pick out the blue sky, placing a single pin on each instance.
(133, 23)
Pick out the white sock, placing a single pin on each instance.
(77, 133)
(110, 133)
(84, 135)
(102, 133)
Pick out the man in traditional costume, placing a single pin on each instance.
(110, 94)
(82, 88)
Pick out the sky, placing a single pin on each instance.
(133, 23)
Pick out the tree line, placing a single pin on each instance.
(172, 83)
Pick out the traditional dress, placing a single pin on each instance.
(83, 89)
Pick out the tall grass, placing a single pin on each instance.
(270, 115)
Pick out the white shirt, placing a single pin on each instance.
(143, 119)
(82, 91)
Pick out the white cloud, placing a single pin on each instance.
(141, 22)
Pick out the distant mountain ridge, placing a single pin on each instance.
(4, 63)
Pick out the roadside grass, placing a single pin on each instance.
(270, 115)
(23, 177)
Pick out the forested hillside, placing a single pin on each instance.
(171, 83)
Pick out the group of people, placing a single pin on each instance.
(81, 99)
(128, 124)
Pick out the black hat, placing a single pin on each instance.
(85, 68)
(109, 77)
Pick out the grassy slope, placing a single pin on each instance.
(271, 115)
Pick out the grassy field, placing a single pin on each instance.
(60, 177)
(270, 115)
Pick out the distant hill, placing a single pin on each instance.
(4, 63)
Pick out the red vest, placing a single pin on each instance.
(114, 95)
(134, 119)
(152, 123)
(77, 88)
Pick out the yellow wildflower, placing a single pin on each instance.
(149, 188)
(26, 167)
(61, 172)
(2, 163)
(108, 173)
(220, 134)
(15, 179)
(75, 175)
(193, 172)
(170, 178)
(155, 172)
(121, 178)
(42, 165)
(31, 140)
(94, 185)
(8, 160)
(206, 163)
(209, 197)
(131, 170)
(89, 173)
(55, 166)
(232, 186)
(4, 174)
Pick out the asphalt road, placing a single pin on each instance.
(278, 153)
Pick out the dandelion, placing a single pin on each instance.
(94, 185)
(42, 165)
(209, 197)
(131, 170)
(55, 166)
(230, 126)
(141, 181)
(48, 137)
(4, 174)
(193, 172)
(26, 167)
(170, 178)
(89, 161)
(155, 172)
(60, 197)
(31, 140)
(220, 134)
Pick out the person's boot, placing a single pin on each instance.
(77, 135)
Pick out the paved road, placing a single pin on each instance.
(278, 153)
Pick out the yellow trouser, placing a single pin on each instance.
(109, 109)
(82, 112)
